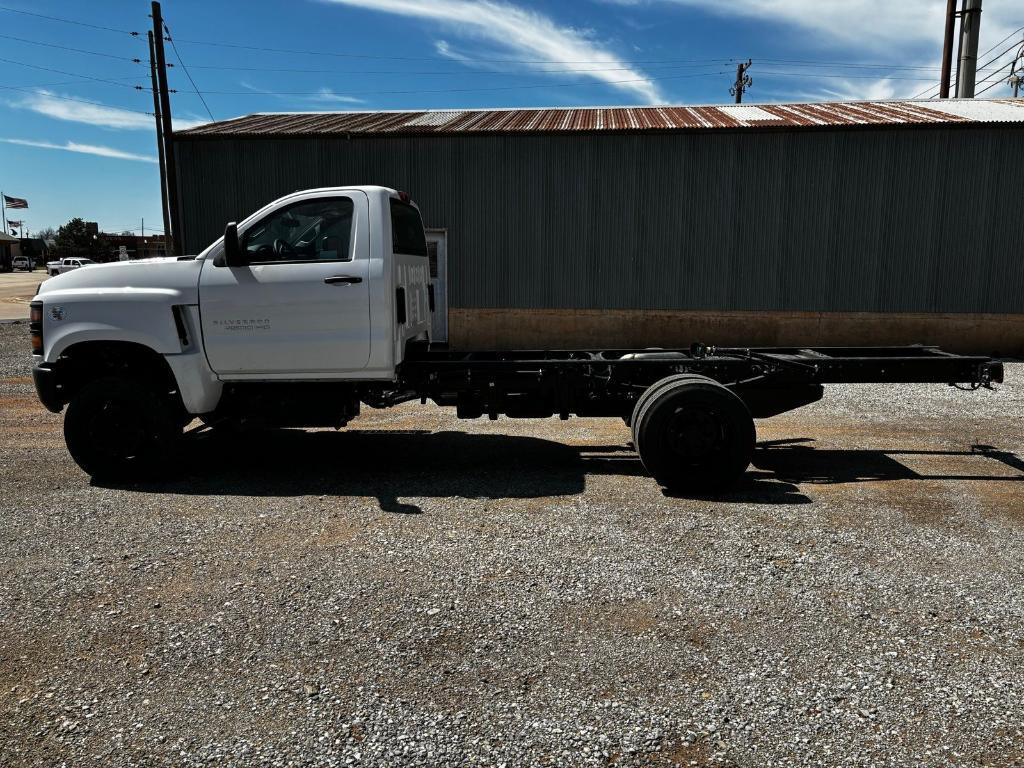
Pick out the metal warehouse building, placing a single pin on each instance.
(843, 223)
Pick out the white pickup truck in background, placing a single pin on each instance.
(61, 266)
(321, 302)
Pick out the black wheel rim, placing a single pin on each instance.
(698, 436)
(116, 431)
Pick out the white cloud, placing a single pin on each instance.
(85, 149)
(870, 25)
(322, 96)
(908, 33)
(59, 107)
(327, 96)
(522, 33)
(444, 49)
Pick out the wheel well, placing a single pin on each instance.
(87, 361)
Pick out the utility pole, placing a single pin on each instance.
(1017, 72)
(173, 234)
(947, 49)
(743, 81)
(970, 25)
(159, 138)
(959, 47)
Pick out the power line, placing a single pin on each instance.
(990, 87)
(545, 85)
(845, 65)
(69, 21)
(293, 51)
(457, 72)
(71, 74)
(935, 89)
(55, 85)
(839, 76)
(71, 98)
(996, 73)
(333, 54)
(68, 48)
(986, 53)
(170, 39)
(464, 90)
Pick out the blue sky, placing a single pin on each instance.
(78, 142)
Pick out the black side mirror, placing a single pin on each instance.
(233, 255)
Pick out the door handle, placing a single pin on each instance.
(342, 280)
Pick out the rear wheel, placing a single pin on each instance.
(693, 434)
(121, 429)
(654, 389)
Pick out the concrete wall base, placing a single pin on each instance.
(988, 334)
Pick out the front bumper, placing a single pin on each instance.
(47, 388)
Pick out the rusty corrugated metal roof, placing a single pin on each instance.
(592, 119)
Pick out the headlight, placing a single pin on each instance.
(35, 326)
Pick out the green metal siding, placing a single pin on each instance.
(822, 220)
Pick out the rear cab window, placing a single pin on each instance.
(407, 230)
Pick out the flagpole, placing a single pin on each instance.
(4, 208)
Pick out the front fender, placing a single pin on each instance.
(141, 316)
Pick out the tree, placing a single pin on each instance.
(76, 239)
(49, 233)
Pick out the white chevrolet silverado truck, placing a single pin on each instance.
(321, 302)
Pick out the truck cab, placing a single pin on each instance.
(321, 287)
(325, 284)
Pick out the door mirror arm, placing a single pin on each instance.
(233, 255)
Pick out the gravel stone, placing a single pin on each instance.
(420, 591)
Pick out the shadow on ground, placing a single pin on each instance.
(390, 464)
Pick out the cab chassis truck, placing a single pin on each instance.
(321, 302)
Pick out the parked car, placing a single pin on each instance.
(23, 262)
(66, 265)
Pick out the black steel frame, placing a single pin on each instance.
(608, 382)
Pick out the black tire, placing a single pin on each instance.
(655, 389)
(694, 435)
(121, 429)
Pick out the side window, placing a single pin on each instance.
(407, 230)
(313, 230)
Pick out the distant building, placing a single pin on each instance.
(135, 246)
(9, 248)
(35, 248)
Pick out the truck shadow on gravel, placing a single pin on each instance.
(392, 464)
(781, 467)
(385, 464)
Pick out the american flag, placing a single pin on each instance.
(16, 223)
(15, 202)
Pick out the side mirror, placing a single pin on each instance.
(233, 256)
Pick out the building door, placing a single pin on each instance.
(437, 250)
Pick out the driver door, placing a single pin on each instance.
(301, 307)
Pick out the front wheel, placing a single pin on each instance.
(121, 429)
(693, 434)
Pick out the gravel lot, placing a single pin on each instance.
(420, 590)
